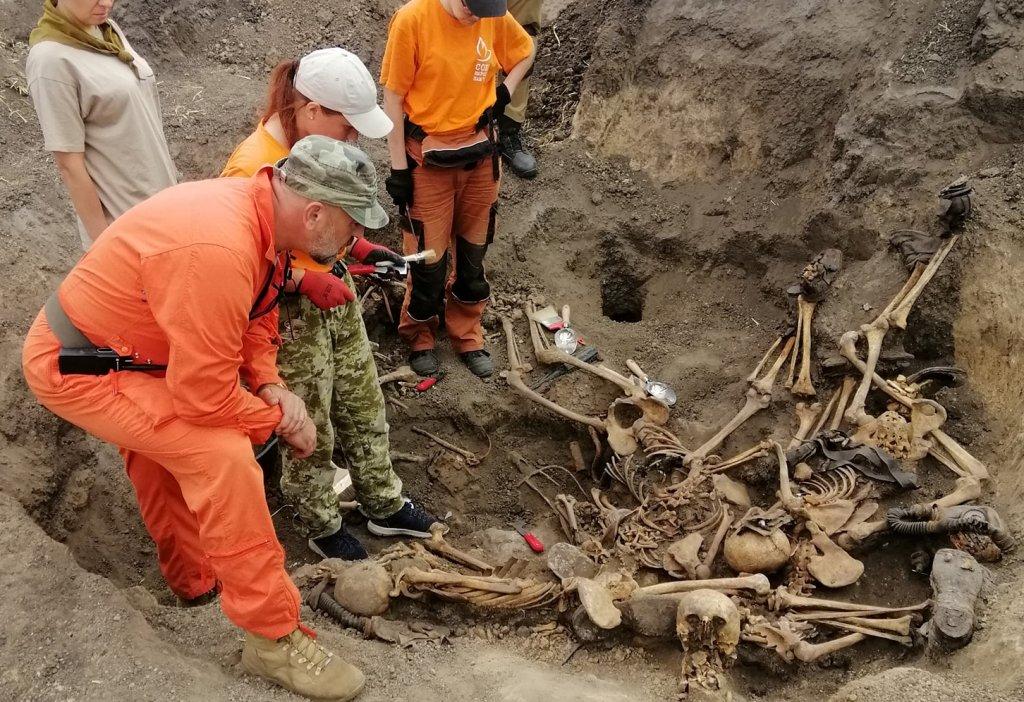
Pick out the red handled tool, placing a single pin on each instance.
(429, 382)
(362, 269)
(532, 541)
(426, 384)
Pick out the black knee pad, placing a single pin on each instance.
(428, 281)
(471, 284)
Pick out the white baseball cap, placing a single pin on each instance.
(338, 80)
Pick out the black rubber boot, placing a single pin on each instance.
(424, 363)
(510, 143)
(478, 362)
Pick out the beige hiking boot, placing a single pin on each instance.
(298, 663)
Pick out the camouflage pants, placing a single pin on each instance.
(526, 13)
(326, 360)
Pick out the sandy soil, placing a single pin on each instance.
(694, 156)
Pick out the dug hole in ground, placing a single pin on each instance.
(694, 157)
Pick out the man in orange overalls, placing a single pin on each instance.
(188, 280)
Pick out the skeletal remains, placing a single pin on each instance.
(682, 513)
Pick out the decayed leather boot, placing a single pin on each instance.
(298, 663)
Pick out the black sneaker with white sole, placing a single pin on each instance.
(409, 521)
(340, 544)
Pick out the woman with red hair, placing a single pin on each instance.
(325, 356)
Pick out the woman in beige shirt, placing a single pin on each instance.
(99, 111)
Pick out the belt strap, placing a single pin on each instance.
(67, 333)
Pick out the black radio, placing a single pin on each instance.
(99, 361)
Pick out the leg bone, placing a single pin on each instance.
(873, 333)
(758, 583)
(967, 488)
(806, 417)
(704, 569)
(803, 385)
(808, 652)
(826, 412)
(898, 315)
(754, 404)
(849, 383)
(784, 599)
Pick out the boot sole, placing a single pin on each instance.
(525, 175)
(378, 530)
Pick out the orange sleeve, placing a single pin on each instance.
(205, 316)
(259, 351)
(511, 43)
(398, 67)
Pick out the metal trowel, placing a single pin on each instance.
(657, 389)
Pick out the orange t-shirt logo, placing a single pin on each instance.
(483, 61)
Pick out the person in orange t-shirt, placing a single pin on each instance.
(440, 89)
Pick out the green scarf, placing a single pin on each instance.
(54, 26)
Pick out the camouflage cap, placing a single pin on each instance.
(336, 173)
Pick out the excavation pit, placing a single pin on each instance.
(622, 297)
(707, 148)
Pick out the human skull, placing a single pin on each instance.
(708, 627)
(750, 552)
(708, 619)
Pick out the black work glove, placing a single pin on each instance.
(366, 251)
(399, 187)
(502, 101)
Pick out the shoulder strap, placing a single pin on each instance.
(67, 333)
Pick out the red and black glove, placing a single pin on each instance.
(370, 253)
(325, 290)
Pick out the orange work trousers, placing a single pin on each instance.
(199, 488)
(453, 212)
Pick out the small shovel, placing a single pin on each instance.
(655, 388)
(566, 338)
